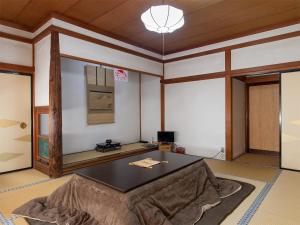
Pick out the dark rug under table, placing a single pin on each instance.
(219, 213)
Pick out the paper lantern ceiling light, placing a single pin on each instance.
(163, 19)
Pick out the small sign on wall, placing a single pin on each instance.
(121, 75)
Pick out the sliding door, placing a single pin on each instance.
(264, 118)
(15, 122)
(290, 106)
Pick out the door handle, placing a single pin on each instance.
(23, 125)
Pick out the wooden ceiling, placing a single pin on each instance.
(206, 21)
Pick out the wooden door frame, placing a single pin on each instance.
(15, 71)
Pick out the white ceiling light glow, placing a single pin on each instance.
(163, 19)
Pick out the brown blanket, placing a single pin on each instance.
(180, 198)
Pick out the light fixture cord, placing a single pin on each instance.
(163, 50)
(163, 37)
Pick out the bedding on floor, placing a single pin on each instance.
(180, 198)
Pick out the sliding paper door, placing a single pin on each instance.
(290, 98)
(15, 122)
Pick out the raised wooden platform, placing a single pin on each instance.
(88, 158)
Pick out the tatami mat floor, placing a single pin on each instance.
(259, 160)
(243, 170)
(280, 207)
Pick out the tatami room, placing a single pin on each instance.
(129, 112)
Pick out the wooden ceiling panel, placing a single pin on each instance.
(205, 20)
(89, 10)
(37, 10)
(9, 11)
(124, 14)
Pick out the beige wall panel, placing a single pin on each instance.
(290, 136)
(264, 117)
(238, 118)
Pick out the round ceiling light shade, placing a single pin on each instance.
(163, 19)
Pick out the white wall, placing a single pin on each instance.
(238, 118)
(77, 135)
(84, 49)
(282, 51)
(150, 107)
(42, 69)
(196, 112)
(195, 66)
(15, 52)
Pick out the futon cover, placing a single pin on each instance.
(180, 198)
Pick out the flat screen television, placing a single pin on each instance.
(165, 136)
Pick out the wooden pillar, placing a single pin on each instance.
(55, 111)
(228, 105)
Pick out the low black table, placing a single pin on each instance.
(121, 176)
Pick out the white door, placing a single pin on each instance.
(15, 122)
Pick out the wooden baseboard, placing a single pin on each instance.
(42, 167)
(264, 152)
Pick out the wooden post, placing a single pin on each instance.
(228, 105)
(55, 111)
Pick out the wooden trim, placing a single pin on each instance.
(198, 54)
(228, 105)
(97, 41)
(266, 69)
(237, 46)
(103, 43)
(140, 104)
(247, 144)
(83, 25)
(106, 64)
(15, 37)
(42, 166)
(194, 78)
(262, 79)
(55, 110)
(263, 152)
(14, 25)
(52, 28)
(48, 30)
(244, 34)
(43, 34)
(266, 40)
(16, 68)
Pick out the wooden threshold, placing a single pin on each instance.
(264, 152)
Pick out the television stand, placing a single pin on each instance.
(166, 147)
